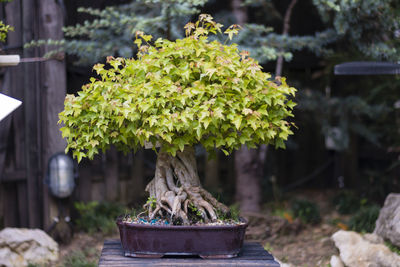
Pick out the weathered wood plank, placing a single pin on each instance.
(248, 254)
(200, 263)
(10, 202)
(252, 254)
(13, 83)
(22, 206)
(15, 176)
(53, 88)
(15, 211)
(31, 113)
(241, 257)
(5, 126)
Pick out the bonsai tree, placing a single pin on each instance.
(175, 95)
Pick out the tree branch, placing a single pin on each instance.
(286, 28)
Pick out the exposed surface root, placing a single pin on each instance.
(176, 191)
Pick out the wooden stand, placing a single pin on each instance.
(252, 254)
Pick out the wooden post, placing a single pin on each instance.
(53, 89)
(32, 110)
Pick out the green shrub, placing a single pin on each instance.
(98, 216)
(79, 259)
(307, 211)
(364, 219)
(234, 214)
(346, 202)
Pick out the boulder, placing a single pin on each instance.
(374, 238)
(20, 247)
(283, 264)
(388, 223)
(356, 251)
(8, 258)
(336, 261)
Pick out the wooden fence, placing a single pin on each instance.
(30, 135)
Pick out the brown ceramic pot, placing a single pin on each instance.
(214, 241)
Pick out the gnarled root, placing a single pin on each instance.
(176, 188)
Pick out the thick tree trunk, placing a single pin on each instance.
(248, 162)
(249, 165)
(176, 187)
(239, 11)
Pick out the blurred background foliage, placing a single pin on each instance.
(98, 216)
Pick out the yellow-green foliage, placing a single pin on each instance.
(4, 29)
(179, 93)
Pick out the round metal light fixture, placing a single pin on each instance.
(61, 175)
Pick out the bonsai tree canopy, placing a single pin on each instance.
(175, 95)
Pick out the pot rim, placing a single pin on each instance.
(184, 227)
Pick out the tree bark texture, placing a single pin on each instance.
(176, 187)
(239, 11)
(248, 163)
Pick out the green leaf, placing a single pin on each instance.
(225, 152)
(65, 132)
(237, 121)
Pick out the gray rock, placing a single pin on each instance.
(374, 238)
(388, 223)
(10, 259)
(336, 261)
(19, 247)
(355, 251)
(283, 264)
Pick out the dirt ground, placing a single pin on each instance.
(90, 245)
(294, 242)
(310, 246)
(286, 238)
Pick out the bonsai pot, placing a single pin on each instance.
(155, 241)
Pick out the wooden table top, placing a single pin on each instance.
(252, 254)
